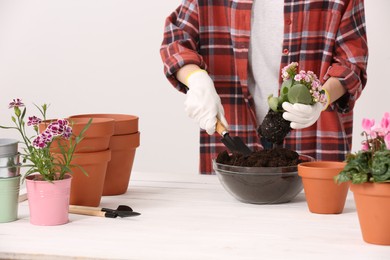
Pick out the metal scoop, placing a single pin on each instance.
(235, 143)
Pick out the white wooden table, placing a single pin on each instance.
(191, 217)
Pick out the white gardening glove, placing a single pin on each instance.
(202, 101)
(300, 115)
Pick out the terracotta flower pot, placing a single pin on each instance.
(119, 168)
(123, 144)
(48, 201)
(124, 124)
(323, 194)
(96, 137)
(88, 190)
(373, 208)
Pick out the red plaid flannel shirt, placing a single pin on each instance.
(327, 37)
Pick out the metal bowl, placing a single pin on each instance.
(261, 185)
(7, 172)
(8, 147)
(10, 160)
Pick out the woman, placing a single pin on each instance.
(227, 57)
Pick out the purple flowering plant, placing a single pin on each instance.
(36, 153)
(372, 162)
(302, 87)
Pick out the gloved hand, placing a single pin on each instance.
(300, 115)
(202, 101)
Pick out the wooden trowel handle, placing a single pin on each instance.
(89, 211)
(220, 128)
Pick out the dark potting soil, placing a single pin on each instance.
(275, 157)
(274, 127)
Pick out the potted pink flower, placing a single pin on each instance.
(368, 170)
(48, 175)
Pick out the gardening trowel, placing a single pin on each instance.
(122, 211)
(235, 143)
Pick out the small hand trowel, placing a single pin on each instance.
(235, 143)
(122, 211)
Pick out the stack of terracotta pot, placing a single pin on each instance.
(122, 144)
(92, 154)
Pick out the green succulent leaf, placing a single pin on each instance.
(299, 93)
(273, 103)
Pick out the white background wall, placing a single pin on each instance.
(102, 56)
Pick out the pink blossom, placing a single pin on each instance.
(385, 123)
(365, 146)
(387, 141)
(367, 124)
(316, 85)
(17, 102)
(289, 69)
(67, 132)
(33, 121)
(298, 77)
(43, 139)
(57, 127)
(312, 74)
(323, 99)
(316, 96)
(377, 130)
(285, 75)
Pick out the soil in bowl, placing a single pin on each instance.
(276, 157)
(263, 177)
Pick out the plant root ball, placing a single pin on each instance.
(274, 127)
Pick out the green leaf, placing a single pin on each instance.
(381, 166)
(273, 102)
(357, 169)
(299, 93)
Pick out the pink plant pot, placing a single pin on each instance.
(48, 201)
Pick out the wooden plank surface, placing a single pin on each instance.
(191, 217)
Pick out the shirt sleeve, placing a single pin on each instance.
(350, 55)
(181, 42)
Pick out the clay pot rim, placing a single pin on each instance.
(123, 123)
(371, 188)
(102, 126)
(81, 121)
(104, 156)
(92, 157)
(116, 117)
(322, 165)
(320, 169)
(84, 120)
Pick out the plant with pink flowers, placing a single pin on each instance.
(303, 87)
(36, 153)
(372, 162)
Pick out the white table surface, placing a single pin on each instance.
(191, 217)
